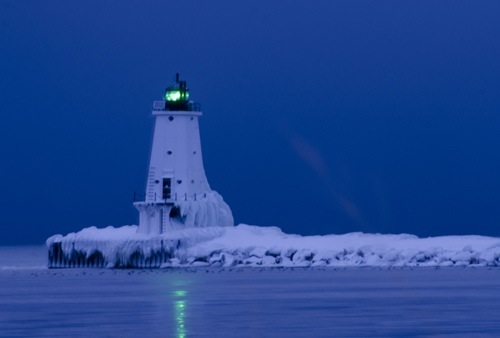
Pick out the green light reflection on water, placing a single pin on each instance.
(180, 313)
(180, 307)
(180, 293)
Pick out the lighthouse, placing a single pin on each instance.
(177, 192)
(177, 197)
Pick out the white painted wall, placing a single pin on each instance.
(176, 154)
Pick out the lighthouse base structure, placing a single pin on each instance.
(121, 247)
(165, 228)
(205, 210)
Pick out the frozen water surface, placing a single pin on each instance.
(247, 302)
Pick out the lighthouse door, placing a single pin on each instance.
(167, 185)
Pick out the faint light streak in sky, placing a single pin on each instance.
(315, 160)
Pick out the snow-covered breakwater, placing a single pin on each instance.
(246, 245)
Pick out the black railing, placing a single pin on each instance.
(189, 106)
(194, 106)
(183, 197)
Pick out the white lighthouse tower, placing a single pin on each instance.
(177, 191)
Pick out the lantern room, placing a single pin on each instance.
(177, 96)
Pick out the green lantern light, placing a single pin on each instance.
(177, 96)
(173, 95)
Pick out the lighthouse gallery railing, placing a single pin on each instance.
(176, 197)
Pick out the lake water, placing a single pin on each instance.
(244, 302)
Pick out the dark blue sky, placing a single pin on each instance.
(319, 116)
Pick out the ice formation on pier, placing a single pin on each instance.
(253, 246)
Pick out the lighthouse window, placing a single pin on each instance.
(169, 152)
(167, 183)
(170, 118)
(179, 181)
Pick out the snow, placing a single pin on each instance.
(205, 211)
(246, 245)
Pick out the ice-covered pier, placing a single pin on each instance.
(253, 246)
